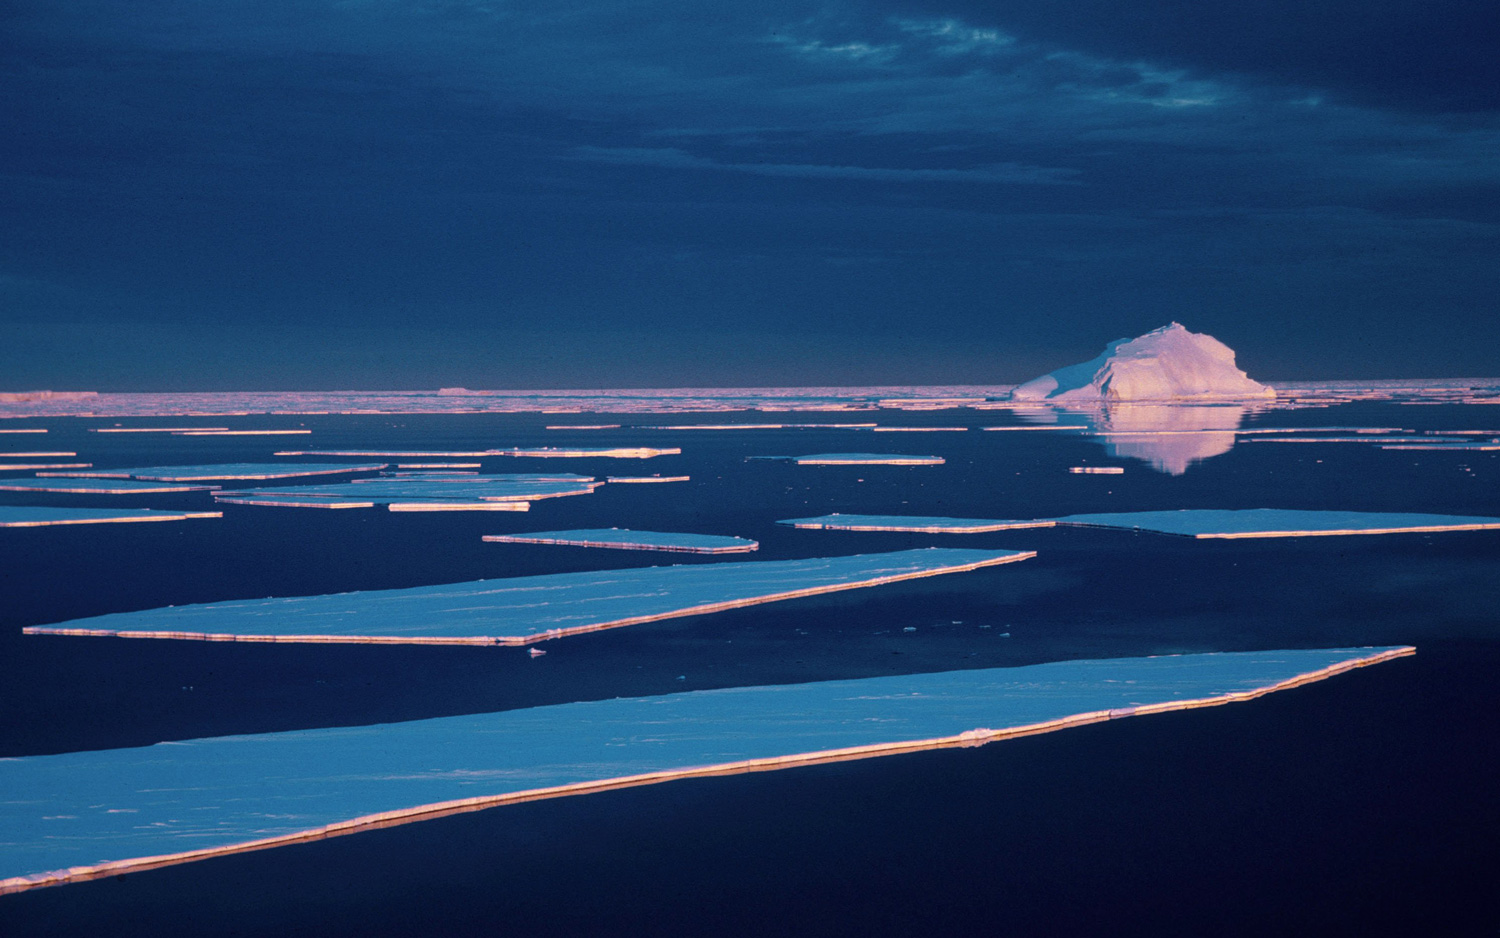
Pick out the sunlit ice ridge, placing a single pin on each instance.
(1290, 394)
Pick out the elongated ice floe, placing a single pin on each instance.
(206, 432)
(468, 489)
(38, 455)
(523, 610)
(15, 516)
(84, 815)
(33, 466)
(914, 524)
(1279, 522)
(152, 429)
(646, 479)
(623, 539)
(860, 459)
(607, 452)
(224, 472)
(100, 486)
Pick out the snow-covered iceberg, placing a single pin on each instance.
(1167, 364)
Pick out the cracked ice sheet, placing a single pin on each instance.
(916, 524)
(76, 812)
(12, 516)
(226, 471)
(1279, 522)
(523, 610)
(623, 539)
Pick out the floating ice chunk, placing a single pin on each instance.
(1166, 364)
(914, 524)
(437, 465)
(457, 505)
(645, 479)
(36, 455)
(226, 472)
(1481, 447)
(584, 426)
(1097, 470)
(240, 432)
(1371, 439)
(24, 430)
(290, 499)
(469, 489)
(14, 516)
(763, 426)
(152, 429)
(623, 539)
(83, 815)
(33, 466)
(384, 454)
(861, 459)
(919, 429)
(1279, 522)
(617, 452)
(524, 610)
(1049, 426)
(100, 486)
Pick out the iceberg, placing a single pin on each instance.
(623, 539)
(78, 816)
(523, 610)
(13, 516)
(1167, 364)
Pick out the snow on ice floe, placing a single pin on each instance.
(207, 432)
(83, 815)
(1097, 470)
(100, 486)
(915, 524)
(859, 459)
(415, 493)
(1279, 522)
(607, 452)
(14, 516)
(1167, 364)
(34, 466)
(224, 472)
(523, 610)
(153, 429)
(624, 539)
(646, 479)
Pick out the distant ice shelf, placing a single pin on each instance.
(100, 486)
(914, 524)
(84, 815)
(1279, 522)
(225, 472)
(859, 459)
(529, 609)
(623, 539)
(15, 516)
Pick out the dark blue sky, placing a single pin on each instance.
(397, 193)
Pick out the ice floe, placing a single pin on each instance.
(226, 472)
(15, 516)
(607, 452)
(82, 815)
(915, 524)
(523, 610)
(100, 486)
(1097, 470)
(34, 466)
(624, 539)
(1279, 522)
(646, 479)
(859, 459)
(153, 429)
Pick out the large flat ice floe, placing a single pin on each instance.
(1279, 522)
(15, 516)
(529, 609)
(100, 486)
(84, 815)
(623, 539)
(226, 472)
(914, 524)
(1167, 364)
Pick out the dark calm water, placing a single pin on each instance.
(1365, 802)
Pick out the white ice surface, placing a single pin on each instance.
(63, 815)
(15, 516)
(526, 609)
(916, 524)
(222, 472)
(1166, 364)
(607, 452)
(1279, 522)
(623, 539)
(861, 459)
(466, 488)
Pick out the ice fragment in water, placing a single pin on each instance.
(622, 539)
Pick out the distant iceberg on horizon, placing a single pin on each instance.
(1166, 364)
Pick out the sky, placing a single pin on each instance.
(384, 194)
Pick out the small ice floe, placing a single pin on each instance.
(535, 652)
(861, 459)
(153, 429)
(914, 524)
(240, 432)
(606, 452)
(418, 493)
(13, 516)
(225, 472)
(645, 479)
(100, 486)
(34, 466)
(1097, 470)
(622, 539)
